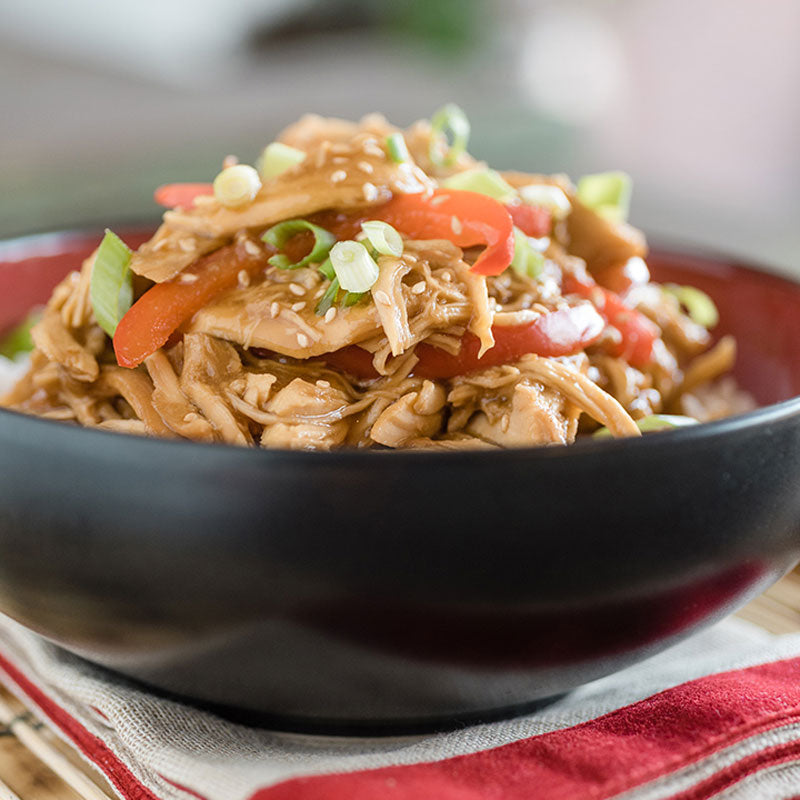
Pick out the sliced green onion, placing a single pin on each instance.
(698, 304)
(279, 234)
(277, 158)
(111, 285)
(354, 266)
(654, 422)
(18, 340)
(351, 298)
(547, 196)
(449, 119)
(329, 298)
(396, 146)
(326, 269)
(237, 185)
(383, 237)
(483, 181)
(528, 261)
(607, 193)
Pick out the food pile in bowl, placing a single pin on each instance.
(366, 286)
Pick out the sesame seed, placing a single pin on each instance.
(456, 226)
(252, 248)
(299, 306)
(339, 160)
(297, 289)
(505, 422)
(323, 384)
(330, 314)
(338, 176)
(187, 245)
(365, 166)
(243, 278)
(447, 277)
(302, 340)
(160, 245)
(438, 199)
(371, 148)
(229, 161)
(188, 277)
(370, 192)
(382, 298)
(191, 416)
(418, 288)
(274, 310)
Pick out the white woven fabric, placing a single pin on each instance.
(165, 743)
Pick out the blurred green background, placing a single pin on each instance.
(698, 99)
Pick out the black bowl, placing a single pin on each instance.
(400, 589)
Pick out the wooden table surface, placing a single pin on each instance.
(36, 765)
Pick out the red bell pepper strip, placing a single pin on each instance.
(534, 221)
(163, 308)
(637, 332)
(557, 333)
(181, 195)
(465, 218)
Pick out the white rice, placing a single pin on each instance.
(11, 371)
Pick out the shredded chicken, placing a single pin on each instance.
(260, 363)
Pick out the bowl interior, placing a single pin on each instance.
(760, 309)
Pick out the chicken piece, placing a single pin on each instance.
(535, 416)
(311, 417)
(253, 317)
(311, 130)
(51, 336)
(416, 415)
(599, 241)
(359, 174)
(209, 367)
(169, 252)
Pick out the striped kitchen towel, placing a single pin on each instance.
(717, 716)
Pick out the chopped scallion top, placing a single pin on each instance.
(547, 196)
(277, 158)
(111, 284)
(383, 237)
(528, 261)
(396, 146)
(354, 266)
(448, 120)
(18, 340)
(278, 235)
(607, 193)
(483, 181)
(654, 422)
(237, 185)
(697, 303)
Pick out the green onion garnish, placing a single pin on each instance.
(277, 158)
(351, 298)
(528, 261)
(354, 266)
(547, 196)
(607, 193)
(483, 181)
(18, 340)
(237, 185)
(383, 237)
(111, 285)
(449, 119)
(329, 298)
(396, 146)
(654, 422)
(279, 234)
(698, 304)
